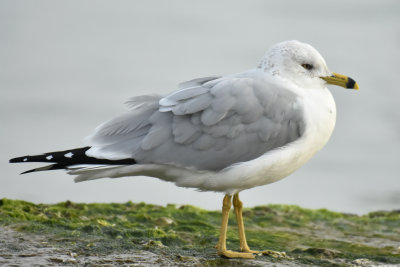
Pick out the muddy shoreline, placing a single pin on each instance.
(129, 234)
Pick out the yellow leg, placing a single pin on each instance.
(221, 247)
(238, 207)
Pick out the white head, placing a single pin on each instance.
(303, 65)
(296, 61)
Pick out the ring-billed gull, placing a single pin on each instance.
(218, 133)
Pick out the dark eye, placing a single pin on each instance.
(307, 66)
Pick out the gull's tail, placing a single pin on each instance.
(67, 158)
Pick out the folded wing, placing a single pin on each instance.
(209, 124)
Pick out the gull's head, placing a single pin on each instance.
(303, 65)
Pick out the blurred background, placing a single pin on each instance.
(67, 66)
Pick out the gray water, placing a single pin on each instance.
(66, 66)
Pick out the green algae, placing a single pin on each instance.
(314, 237)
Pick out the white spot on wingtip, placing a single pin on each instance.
(49, 157)
(69, 155)
(25, 159)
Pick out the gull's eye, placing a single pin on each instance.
(307, 66)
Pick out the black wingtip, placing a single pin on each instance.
(28, 171)
(19, 159)
(46, 168)
(64, 159)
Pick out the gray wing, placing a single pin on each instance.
(209, 124)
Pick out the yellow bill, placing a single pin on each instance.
(341, 80)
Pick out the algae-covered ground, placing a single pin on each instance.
(70, 234)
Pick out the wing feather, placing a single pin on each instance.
(210, 123)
